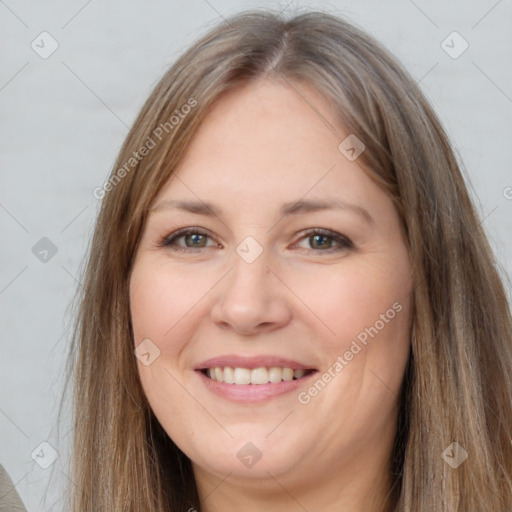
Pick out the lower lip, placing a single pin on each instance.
(249, 393)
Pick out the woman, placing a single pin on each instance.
(289, 302)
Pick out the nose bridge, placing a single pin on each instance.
(250, 250)
(249, 297)
(250, 269)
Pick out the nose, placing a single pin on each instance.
(251, 299)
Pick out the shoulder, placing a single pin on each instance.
(9, 498)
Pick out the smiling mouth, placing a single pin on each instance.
(257, 376)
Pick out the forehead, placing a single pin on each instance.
(268, 121)
(266, 141)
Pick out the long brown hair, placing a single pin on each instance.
(458, 383)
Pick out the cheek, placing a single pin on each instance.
(358, 300)
(370, 315)
(364, 360)
(160, 298)
(160, 302)
(366, 346)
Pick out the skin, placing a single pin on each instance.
(262, 145)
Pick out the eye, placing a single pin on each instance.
(323, 239)
(195, 238)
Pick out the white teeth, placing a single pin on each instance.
(242, 375)
(259, 375)
(287, 374)
(299, 373)
(229, 375)
(275, 374)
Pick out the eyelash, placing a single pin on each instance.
(168, 241)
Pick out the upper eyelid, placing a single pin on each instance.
(186, 231)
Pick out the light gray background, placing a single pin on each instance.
(64, 118)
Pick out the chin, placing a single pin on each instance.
(252, 456)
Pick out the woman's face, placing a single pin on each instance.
(257, 289)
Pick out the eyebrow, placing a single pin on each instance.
(292, 208)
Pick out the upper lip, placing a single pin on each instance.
(251, 362)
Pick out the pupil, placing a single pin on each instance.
(321, 237)
(196, 238)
